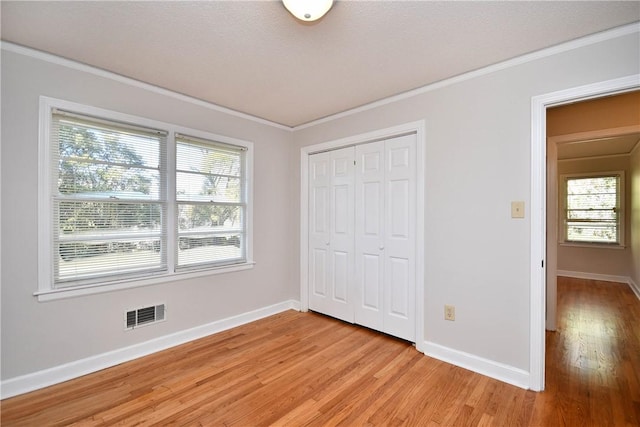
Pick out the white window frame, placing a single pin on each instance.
(562, 205)
(192, 139)
(46, 290)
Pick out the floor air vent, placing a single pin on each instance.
(144, 316)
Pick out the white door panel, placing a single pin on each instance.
(319, 227)
(341, 204)
(362, 235)
(319, 201)
(400, 238)
(371, 282)
(398, 199)
(371, 214)
(399, 301)
(318, 272)
(385, 229)
(369, 234)
(341, 277)
(331, 234)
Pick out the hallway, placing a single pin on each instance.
(593, 359)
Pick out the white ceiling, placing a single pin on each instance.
(255, 58)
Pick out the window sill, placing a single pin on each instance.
(592, 245)
(72, 292)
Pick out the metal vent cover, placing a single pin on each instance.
(144, 316)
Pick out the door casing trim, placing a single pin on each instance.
(539, 105)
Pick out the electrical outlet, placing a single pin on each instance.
(449, 312)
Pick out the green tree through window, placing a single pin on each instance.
(127, 200)
(210, 201)
(107, 205)
(96, 164)
(592, 212)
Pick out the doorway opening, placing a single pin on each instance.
(586, 141)
(538, 291)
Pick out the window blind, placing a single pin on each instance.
(108, 209)
(592, 209)
(211, 203)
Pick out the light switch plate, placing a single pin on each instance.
(517, 209)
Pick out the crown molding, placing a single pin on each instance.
(601, 157)
(513, 62)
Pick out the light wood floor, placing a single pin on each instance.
(305, 369)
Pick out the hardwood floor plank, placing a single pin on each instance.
(304, 369)
(300, 415)
(374, 396)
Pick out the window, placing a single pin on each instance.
(211, 207)
(107, 209)
(593, 208)
(125, 200)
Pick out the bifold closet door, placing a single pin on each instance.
(362, 204)
(385, 224)
(369, 231)
(331, 233)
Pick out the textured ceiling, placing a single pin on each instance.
(255, 58)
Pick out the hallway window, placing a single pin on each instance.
(593, 208)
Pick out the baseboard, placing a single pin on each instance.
(593, 276)
(603, 277)
(68, 371)
(634, 287)
(490, 368)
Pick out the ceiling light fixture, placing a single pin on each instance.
(308, 10)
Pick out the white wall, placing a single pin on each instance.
(478, 134)
(598, 260)
(477, 161)
(39, 335)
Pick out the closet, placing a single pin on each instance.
(362, 234)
